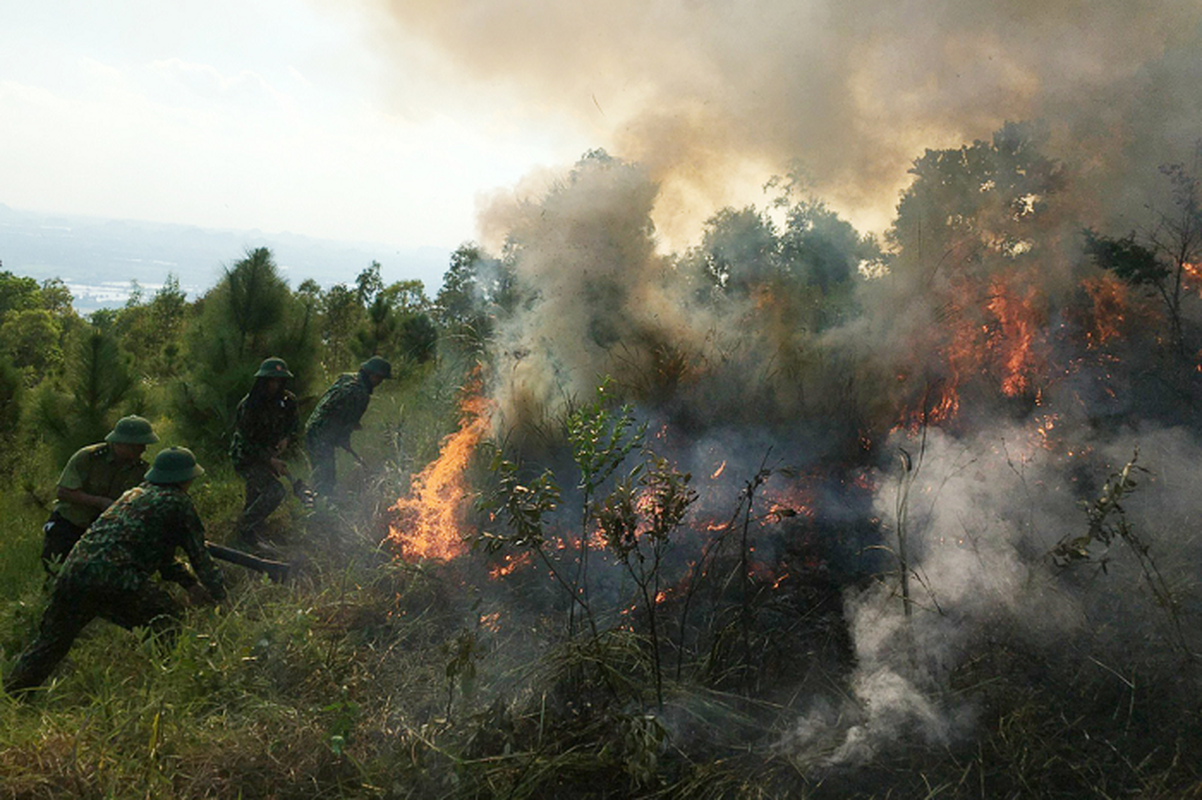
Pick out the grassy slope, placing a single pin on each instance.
(368, 678)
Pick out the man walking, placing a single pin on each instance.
(266, 423)
(337, 414)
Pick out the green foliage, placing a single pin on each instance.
(18, 293)
(740, 249)
(407, 297)
(978, 205)
(150, 331)
(368, 284)
(601, 439)
(31, 338)
(523, 506)
(341, 313)
(637, 523)
(377, 332)
(98, 386)
(476, 290)
(463, 652)
(643, 510)
(417, 339)
(394, 322)
(249, 315)
(11, 395)
(1126, 258)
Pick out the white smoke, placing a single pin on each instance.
(983, 515)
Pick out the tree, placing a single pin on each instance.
(740, 249)
(11, 395)
(375, 333)
(1170, 249)
(977, 207)
(471, 288)
(98, 386)
(31, 338)
(150, 331)
(407, 297)
(417, 340)
(249, 315)
(369, 284)
(17, 293)
(341, 313)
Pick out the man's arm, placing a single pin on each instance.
(82, 498)
(198, 555)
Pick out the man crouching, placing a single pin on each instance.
(109, 571)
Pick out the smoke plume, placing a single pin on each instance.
(712, 96)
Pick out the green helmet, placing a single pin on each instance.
(273, 368)
(377, 366)
(174, 465)
(132, 430)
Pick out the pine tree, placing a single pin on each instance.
(98, 387)
(249, 315)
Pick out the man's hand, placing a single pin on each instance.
(198, 595)
(82, 498)
(279, 467)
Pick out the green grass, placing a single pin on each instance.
(366, 677)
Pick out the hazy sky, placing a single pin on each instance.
(271, 114)
(395, 121)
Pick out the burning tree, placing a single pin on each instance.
(1164, 259)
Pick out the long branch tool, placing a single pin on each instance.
(276, 570)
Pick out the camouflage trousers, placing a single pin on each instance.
(321, 458)
(72, 607)
(264, 493)
(60, 535)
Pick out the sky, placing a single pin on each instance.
(403, 122)
(239, 114)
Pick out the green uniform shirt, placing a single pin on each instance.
(95, 469)
(339, 410)
(259, 430)
(136, 537)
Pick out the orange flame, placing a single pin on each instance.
(1193, 275)
(429, 522)
(1110, 308)
(1018, 321)
(511, 565)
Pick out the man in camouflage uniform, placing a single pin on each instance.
(337, 414)
(266, 423)
(109, 572)
(94, 477)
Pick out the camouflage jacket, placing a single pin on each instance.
(339, 410)
(95, 469)
(136, 537)
(258, 430)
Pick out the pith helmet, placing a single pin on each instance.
(377, 366)
(273, 368)
(174, 465)
(132, 430)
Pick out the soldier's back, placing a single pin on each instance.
(133, 538)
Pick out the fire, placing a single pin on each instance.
(986, 330)
(1193, 275)
(1018, 321)
(1110, 303)
(511, 565)
(429, 522)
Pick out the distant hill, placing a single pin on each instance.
(98, 258)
